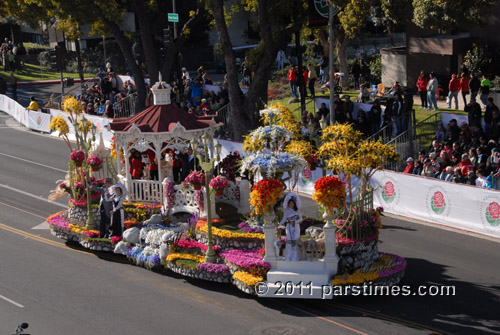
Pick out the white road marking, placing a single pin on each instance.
(43, 225)
(28, 161)
(11, 301)
(33, 196)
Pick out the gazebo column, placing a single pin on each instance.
(159, 160)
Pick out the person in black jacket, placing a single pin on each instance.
(474, 85)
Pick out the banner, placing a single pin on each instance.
(454, 205)
(318, 13)
(39, 121)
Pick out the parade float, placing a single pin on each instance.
(181, 227)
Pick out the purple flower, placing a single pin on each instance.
(213, 268)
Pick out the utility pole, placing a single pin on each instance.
(332, 64)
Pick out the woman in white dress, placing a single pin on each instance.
(292, 219)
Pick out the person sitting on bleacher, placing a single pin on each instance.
(33, 105)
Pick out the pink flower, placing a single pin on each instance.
(389, 189)
(494, 210)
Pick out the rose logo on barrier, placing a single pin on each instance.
(493, 214)
(39, 120)
(438, 203)
(306, 175)
(389, 193)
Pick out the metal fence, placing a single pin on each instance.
(224, 116)
(359, 211)
(126, 106)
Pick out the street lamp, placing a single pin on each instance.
(207, 166)
(86, 144)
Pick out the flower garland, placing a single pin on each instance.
(329, 192)
(265, 194)
(176, 255)
(169, 193)
(387, 265)
(223, 233)
(219, 183)
(247, 278)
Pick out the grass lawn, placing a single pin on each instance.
(33, 72)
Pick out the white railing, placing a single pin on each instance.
(145, 190)
(231, 195)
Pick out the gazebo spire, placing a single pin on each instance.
(161, 92)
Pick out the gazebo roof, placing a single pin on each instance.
(161, 119)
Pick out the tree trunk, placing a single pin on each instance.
(341, 44)
(147, 41)
(80, 67)
(241, 121)
(126, 49)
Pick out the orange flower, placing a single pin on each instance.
(264, 194)
(329, 192)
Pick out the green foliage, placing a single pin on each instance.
(376, 68)
(34, 48)
(187, 264)
(352, 16)
(483, 59)
(449, 15)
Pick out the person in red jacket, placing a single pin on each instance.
(464, 86)
(305, 74)
(292, 79)
(422, 82)
(136, 165)
(454, 87)
(153, 165)
(409, 166)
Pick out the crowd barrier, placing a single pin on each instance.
(454, 205)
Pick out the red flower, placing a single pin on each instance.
(438, 199)
(389, 189)
(494, 210)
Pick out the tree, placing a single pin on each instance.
(449, 15)
(274, 33)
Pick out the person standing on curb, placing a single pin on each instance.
(474, 85)
(485, 91)
(454, 87)
(105, 206)
(292, 79)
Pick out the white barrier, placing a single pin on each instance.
(30, 119)
(455, 205)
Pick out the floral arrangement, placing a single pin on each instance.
(116, 239)
(77, 156)
(196, 177)
(147, 257)
(213, 268)
(219, 183)
(246, 228)
(84, 127)
(58, 221)
(249, 261)
(169, 193)
(59, 124)
(198, 198)
(265, 194)
(387, 265)
(94, 160)
(224, 233)
(247, 278)
(269, 164)
(269, 112)
(329, 192)
(229, 166)
(81, 229)
(252, 145)
(71, 105)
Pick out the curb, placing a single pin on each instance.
(47, 82)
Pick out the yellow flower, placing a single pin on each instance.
(84, 128)
(300, 148)
(228, 234)
(252, 145)
(71, 105)
(247, 278)
(58, 123)
(177, 255)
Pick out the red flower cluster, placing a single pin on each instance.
(94, 160)
(313, 159)
(329, 191)
(229, 166)
(77, 156)
(265, 193)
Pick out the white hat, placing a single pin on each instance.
(292, 196)
(183, 69)
(409, 160)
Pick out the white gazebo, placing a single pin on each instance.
(159, 127)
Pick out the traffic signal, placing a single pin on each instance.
(167, 36)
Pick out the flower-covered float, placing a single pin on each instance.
(342, 252)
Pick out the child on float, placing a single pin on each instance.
(292, 219)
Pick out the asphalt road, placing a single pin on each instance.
(59, 288)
